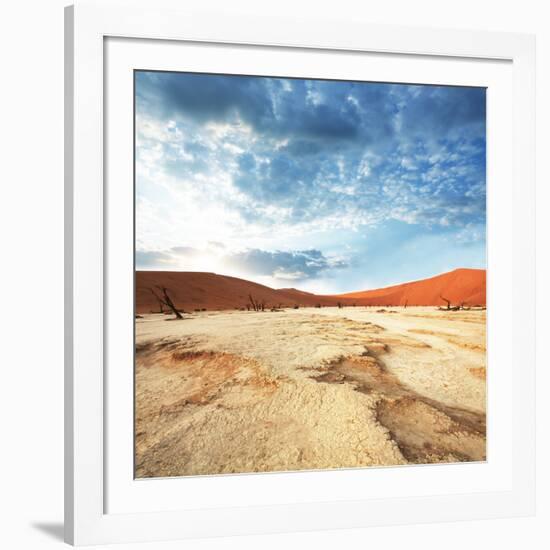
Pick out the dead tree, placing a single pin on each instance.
(251, 302)
(340, 306)
(451, 307)
(161, 309)
(166, 300)
(406, 302)
(256, 305)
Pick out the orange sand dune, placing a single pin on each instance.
(198, 290)
(460, 285)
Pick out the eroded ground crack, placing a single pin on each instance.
(425, 430)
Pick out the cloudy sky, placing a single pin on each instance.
(320, 185)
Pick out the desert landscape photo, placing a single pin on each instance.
(310, 284)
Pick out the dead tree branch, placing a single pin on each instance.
(166, 300)
(161, 308)
(449, 306)
(256, 305)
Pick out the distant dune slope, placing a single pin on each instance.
(460, 285)
(198, 290)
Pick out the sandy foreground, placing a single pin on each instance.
(239, 391)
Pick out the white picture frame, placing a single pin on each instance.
(96, 468)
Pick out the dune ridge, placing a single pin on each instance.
(201, 290)
(459, 285)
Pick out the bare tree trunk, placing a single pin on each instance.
(448, 302)
(161, 309)
(167, 301)
(255, 305)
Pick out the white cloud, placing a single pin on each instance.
(324, 159)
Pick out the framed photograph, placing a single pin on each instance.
(299, 274)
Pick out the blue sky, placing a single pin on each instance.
(320, 185)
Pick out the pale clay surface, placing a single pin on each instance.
(226, 392)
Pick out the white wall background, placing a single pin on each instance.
(31, 276)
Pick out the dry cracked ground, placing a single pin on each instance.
(228, 392)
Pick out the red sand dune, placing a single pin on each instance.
(460, 285)
(197, 290)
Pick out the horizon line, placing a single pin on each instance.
(410, 281)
